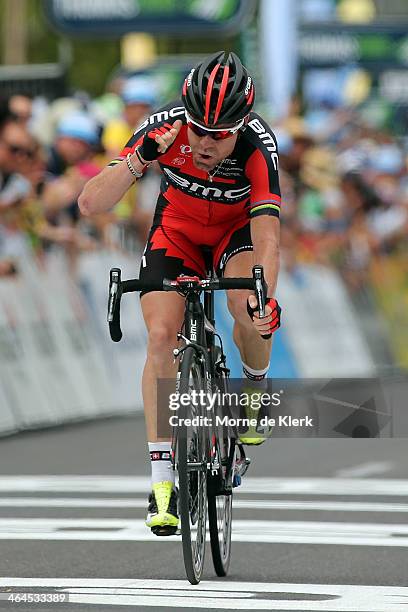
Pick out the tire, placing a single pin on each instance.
(192, 444)
(220, 506)
(220, 525)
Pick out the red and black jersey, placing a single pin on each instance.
(246, 184)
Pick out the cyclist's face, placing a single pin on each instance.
(207, 152)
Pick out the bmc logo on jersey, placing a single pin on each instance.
(266, 138)
(161, 116)
(203, 192)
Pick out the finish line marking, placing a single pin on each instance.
(239, 504)
(272, 486)
(220, 596)
(365, 469)
(290, 532)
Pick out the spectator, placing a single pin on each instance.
(135, 211)
(70, 163)
(138, 98)
(343, 177)
(21, 108)
(16, 152)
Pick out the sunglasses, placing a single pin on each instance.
(16, 150)
(215, 134)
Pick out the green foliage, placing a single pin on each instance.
(92, 61)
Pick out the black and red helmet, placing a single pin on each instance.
(219, 90)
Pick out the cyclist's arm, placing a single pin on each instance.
(262, 171)
(105, 190)
(265, 239)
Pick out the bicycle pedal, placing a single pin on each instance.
(166, 530)
(243, 466)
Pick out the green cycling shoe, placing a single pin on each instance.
(251, 436)
(162, 513)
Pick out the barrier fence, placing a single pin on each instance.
(58, 364)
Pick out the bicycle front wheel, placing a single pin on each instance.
(220, 488)
(192, 444)
(220, 525)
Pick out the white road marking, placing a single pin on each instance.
(365, 469)
(341, 506)
(300, 532)
(76, 484)
(271, 486)
(222, 595)
(239, 504)
(73, 502)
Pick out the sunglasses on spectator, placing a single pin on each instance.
(214, 133)
(17, 150)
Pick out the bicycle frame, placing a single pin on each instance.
(199, 322)
(199, 332)
(208, 458)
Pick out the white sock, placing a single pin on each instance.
(160, 457)
(254, 374)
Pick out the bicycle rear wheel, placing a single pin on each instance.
(220, 490)
(192, 444)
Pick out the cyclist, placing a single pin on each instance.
(220, 189)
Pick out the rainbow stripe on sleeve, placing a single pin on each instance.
(266, 207)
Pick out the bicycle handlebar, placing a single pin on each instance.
(117, 287)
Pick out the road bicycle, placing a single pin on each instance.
(208, 458)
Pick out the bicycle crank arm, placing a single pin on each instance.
(192, 466)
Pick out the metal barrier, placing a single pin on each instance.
(57, 363)
(48, 80)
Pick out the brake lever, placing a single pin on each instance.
(114, 285)
(261, 289)
(115, 294)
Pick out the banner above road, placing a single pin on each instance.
(177, 17)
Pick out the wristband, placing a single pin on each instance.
(132, 170)
(140, 158)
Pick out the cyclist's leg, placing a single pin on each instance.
(167, 255)
(234, 258)
(254, 350)
(163, 314)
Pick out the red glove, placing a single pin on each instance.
(275, 322)
(149, 149)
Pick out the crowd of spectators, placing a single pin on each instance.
(344, 181)
(48, 151)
